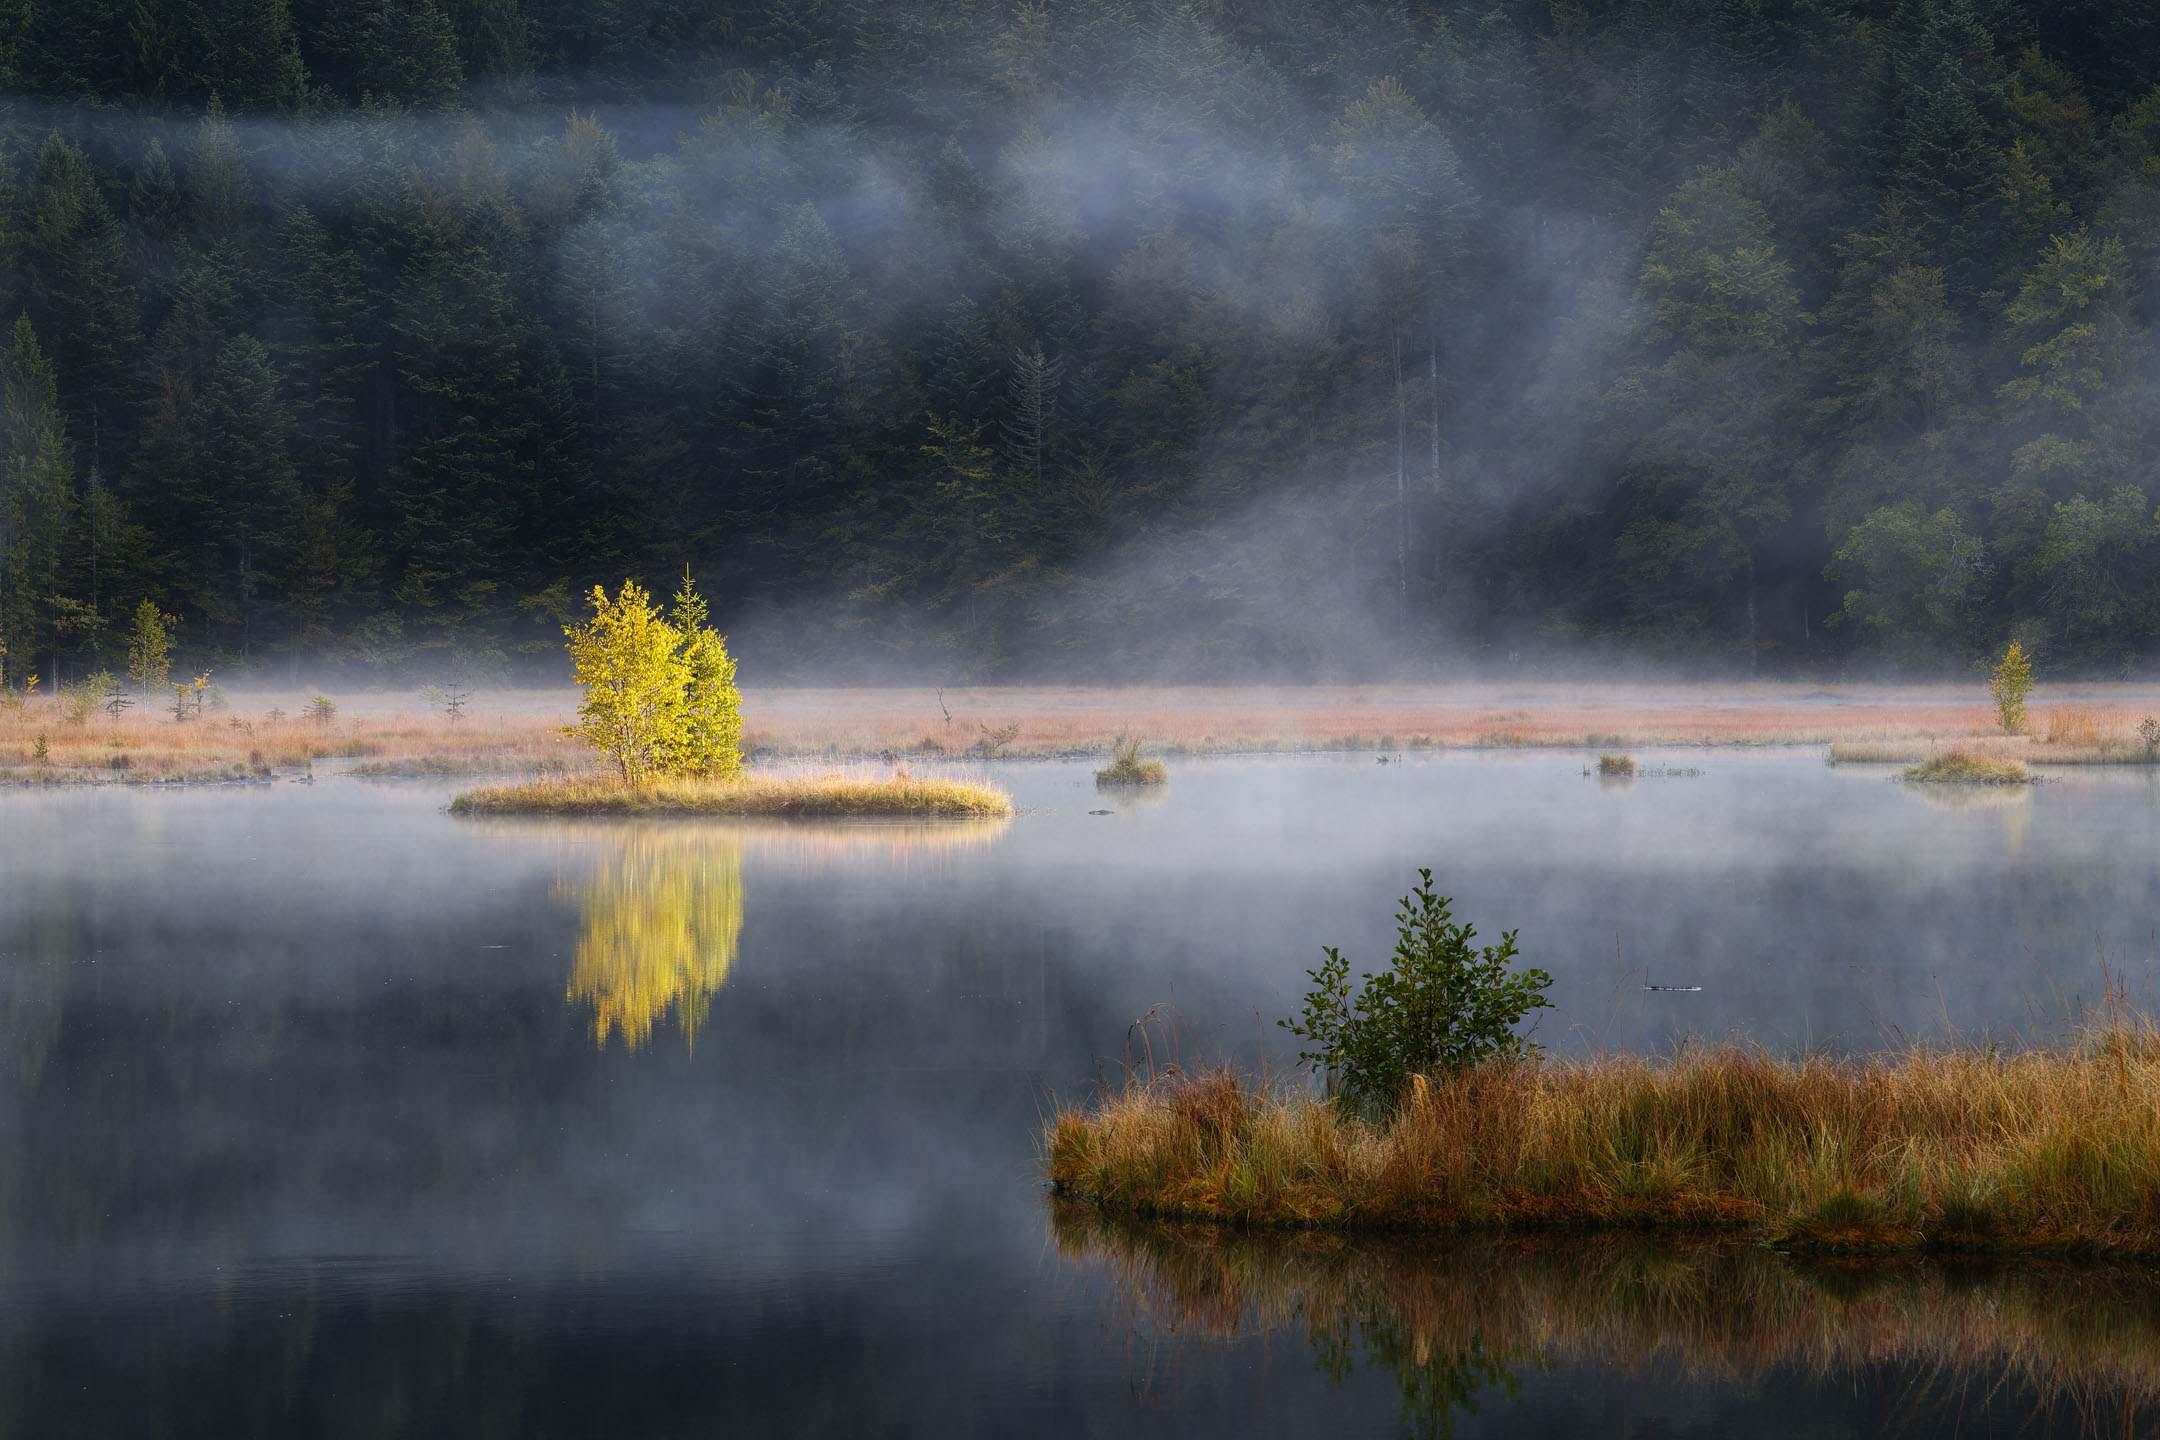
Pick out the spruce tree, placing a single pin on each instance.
(74, 256)
(36, 497)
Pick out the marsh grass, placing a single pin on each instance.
(1959, 766)
(1959, 1146)
(1611, 764)
(804, 795)
(268, 732)
(2081, 1337)
(1127, 768)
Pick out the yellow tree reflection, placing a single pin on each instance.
(659, 923)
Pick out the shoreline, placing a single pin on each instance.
(516, 732)
(809, 796)
(1958, 1149)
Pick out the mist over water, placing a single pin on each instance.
(318, 1104)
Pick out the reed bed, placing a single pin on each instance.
(518, 731)
(1718, 1309)
(1969, 1147)
(1188, 720)
(257, 735)
(797, 795)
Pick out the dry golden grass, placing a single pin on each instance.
(2091, 734)
(1718, 1309)
(517, 731)
(245, 742)
(804, 795)
(2053, 1149)
(1047, 720)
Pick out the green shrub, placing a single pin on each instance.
(1440, 1008)
(1127, 768)
(1967, 767)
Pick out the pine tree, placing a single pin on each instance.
(241, 430)
(488, 485)
(219, 194)
(75, 257)
(36, 496)
(401, 51)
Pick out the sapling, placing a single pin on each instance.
(1440, 1008)
(2008, 684)
(150, 649)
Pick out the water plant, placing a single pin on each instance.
(1127, 768)
(1438, 1009)
(1957, 766)
(1609, 764)
(2009, 683)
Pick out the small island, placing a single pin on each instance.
(1127, 768)
(661, 707)
(1434, 1112)
(808, 795)
(1968, 767)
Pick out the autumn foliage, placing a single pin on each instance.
(660, 696)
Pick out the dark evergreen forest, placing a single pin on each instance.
(1084, 338)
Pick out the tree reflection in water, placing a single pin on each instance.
(659, 921)
(2049, 1344)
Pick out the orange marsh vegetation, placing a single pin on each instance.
(2053, 1148)
(514, 731)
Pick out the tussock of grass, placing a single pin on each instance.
(902, 794)
(2054, 1150)
(1721, 1307)
(1968, 767)
(1127, 768)
(1610, 764)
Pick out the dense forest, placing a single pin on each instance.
(1083, 338)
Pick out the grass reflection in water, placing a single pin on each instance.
(1453, 1318)
(659, 922)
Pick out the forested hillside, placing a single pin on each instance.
(1089, 338)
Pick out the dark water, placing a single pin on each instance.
(322, 1112)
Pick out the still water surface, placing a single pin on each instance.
(322, 1112)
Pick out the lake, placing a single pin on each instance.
(323, 1112)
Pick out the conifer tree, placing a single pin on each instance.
(36, 495)
(74, 255)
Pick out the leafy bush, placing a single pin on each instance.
(1440, 1008)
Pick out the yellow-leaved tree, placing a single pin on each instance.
(660, 695)
(708, 743)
